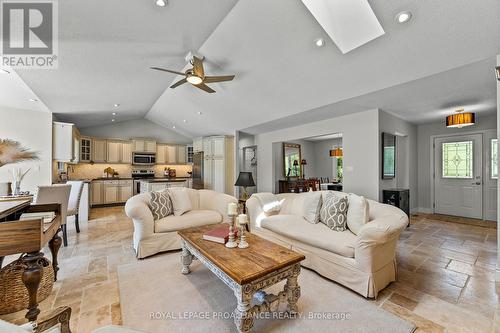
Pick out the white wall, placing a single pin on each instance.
(424, 133)
(33, 129)
(139, 128)
(497, 275)
(360, 142)
(406, 155)
(307, 152)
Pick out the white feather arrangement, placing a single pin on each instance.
(12, 152)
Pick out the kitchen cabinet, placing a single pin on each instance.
(113, 151)
(65, 142)
(99, 150)
(96, 193)
(119, 152)
(144, 146)
(161, 154)
(85, 149)
(171, 154)
(181, 154)
(111, 191)
(218, 173)
(197, 145)
(126, 190)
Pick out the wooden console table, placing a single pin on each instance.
(29, 236)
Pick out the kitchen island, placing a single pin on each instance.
(159, 184)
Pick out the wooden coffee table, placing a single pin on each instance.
(246, 271)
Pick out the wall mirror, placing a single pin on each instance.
(388, 156)
(291, 159)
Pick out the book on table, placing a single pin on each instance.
(219, 234)
(46, 216)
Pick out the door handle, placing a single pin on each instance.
(477, 183)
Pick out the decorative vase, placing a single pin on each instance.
(15, 187)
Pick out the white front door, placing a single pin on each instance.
(458, 179)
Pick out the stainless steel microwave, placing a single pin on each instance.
(143, 159)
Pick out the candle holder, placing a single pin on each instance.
(231, 243)
(242, 221)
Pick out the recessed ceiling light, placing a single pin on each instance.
(199, 113)
(404, 16)
(319, 42)
(161, 3)
(185, 121)
(112, 120)
(33, 100)
(116, 105)
(114, 113)
(173, 127)
(4, 71)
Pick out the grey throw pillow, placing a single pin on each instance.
(334, 211)
(160, 205)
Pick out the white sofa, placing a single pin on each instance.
(365, 263)
(151, 237)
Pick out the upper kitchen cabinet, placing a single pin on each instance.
(85, 149)
(119, 151)
(181, 154)
(161, 154)
(198, 145)
(144, 146)
(66, 142)
(99, 150)
(214, 146)
(171, 154)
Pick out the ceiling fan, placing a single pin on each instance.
(196, 76)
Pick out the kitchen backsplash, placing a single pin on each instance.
(88, 171)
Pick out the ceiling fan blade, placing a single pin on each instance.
(168, 70)
(203, 86)
(198, 67)
(178, 83)
(222, 78)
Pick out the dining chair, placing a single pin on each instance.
(74, 200)
(58, 193)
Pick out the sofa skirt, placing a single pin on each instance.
(159, 242)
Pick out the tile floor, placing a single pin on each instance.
(446, 275)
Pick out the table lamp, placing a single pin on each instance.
(245, 180)
(302, 164)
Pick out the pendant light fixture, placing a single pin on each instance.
(337, 152)
(460, 119)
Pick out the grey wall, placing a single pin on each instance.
(33, 129)
(139, 128)
(307, 152)
(325, 165)
(497, 274)
(406, 155)
(360, 142)
(424, 133)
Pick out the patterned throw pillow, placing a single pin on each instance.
(160, 205)
(334, 211)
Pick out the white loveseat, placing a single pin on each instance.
(365, 263)
(151, 237)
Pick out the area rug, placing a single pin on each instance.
(155, 297)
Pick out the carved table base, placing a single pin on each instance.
(244, 314)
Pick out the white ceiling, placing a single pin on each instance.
(15, 94)
(106, 48)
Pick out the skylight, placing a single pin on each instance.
(349, 23)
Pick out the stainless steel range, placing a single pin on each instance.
(139, 174)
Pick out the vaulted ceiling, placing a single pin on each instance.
(106, 48)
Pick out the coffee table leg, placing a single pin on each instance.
(186, 259)
(292, 290)
(242, 316)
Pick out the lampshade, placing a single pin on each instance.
(245, 179)
(303, 162)
(460, 120)
(337, 152)
(295, 163)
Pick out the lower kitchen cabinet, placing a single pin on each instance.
(96, 195)
(105, 192)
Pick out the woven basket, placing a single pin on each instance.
(13, 294)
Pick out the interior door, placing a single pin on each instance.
(458, 179)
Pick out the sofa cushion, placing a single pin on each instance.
(334, 211)
(317, 235)
(160, 205)
(358, 213)
(193, 218)
(311, 206)
(180, 200)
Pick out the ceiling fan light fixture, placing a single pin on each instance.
(403, 16)
(193, 79)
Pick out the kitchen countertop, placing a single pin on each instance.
(113, 178)
(164, 180)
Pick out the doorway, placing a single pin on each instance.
(458, 175)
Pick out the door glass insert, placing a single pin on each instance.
(457, 159)
(494, 158)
